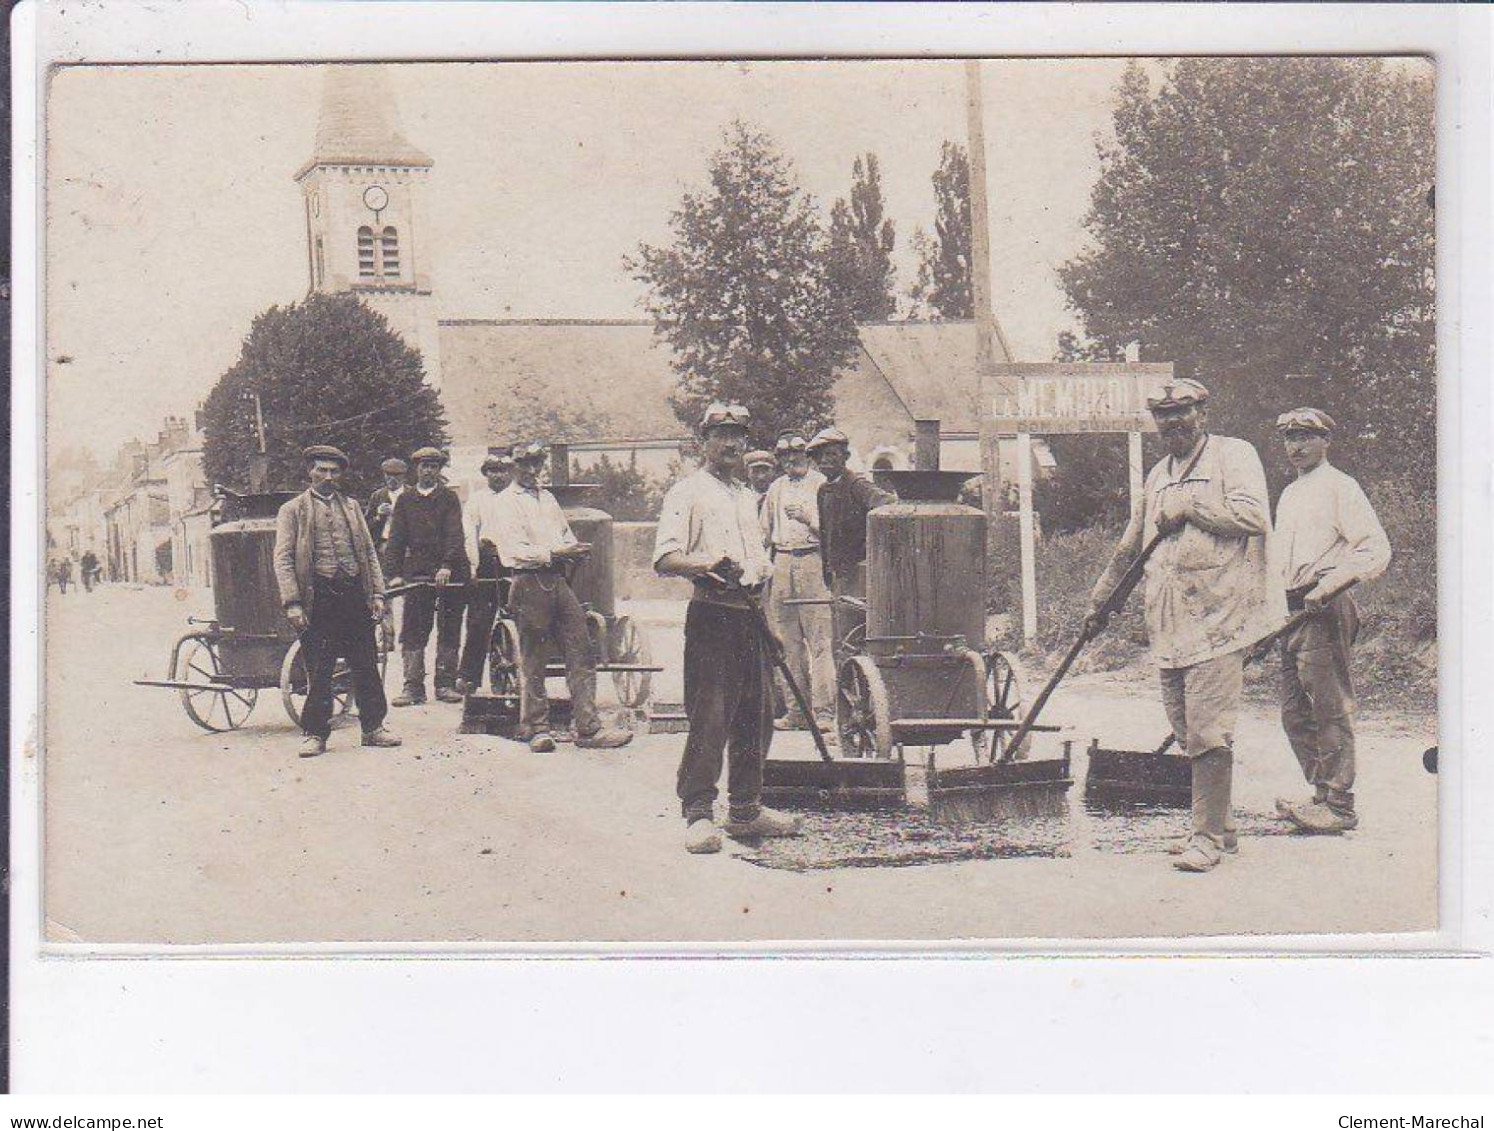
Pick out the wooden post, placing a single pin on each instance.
(992, 496)
(1137, 478)
(1029, 535)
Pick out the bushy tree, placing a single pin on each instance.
(943, 289)
(623, 491)
(861, 245)
(1091, 482)
(742, 295)
(327, 370)
(1266, 224)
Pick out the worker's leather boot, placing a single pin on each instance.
(414, 692)
(446, 669)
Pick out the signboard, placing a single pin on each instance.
(1062, 397)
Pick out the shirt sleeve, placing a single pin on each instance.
(560, 525)
(673, 533)
(1368, 549)
(1125, 554)
(769, 509)
(472, 531)
(1242, 508)
(869, 495)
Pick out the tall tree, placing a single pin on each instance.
(942, 289)
(861, 245)
(327, 370)
(743, 294)
(1267, 225)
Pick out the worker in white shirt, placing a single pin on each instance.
(791, 524)
(709, 533)
(1327, 535)
(479, 521)
(535, 541)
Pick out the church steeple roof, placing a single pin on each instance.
(359, 122)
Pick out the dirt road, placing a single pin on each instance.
(156, 832)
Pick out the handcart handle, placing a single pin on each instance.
(775, 651)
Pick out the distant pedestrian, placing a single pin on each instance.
(64, 574)
(1327, 536)
(709, 532)
(426, 543)
(332, 590)
(88, 566)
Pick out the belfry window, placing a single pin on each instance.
(389, 245)
(365, 253)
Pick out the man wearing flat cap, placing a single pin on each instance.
(791, 524)
(480, 518)
(426, 543)
(1209, 596)
(709, 533)
(1327, 537)
(535, 542)
(844, 500)
(332, 590)
(381, 502)
(762, 469)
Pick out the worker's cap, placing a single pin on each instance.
(496, 461)
(393, 467)
(719, 415)
(760, 458)
(1178, 393)
(789, 443)
(1306, 420)
(825, 437)
(530, 452)
(324, 451)
(429, 455)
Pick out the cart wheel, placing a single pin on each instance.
(213, 711)
(504, 670)
(1004, 700)
(293, 684)
(630, 646)
(865, 719)
(980, 740)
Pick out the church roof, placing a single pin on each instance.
(616, 372)
(931, 368)
(359, 122)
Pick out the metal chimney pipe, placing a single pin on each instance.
(926, 445)
(560, 465)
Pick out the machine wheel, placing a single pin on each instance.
(980, 740)
(865, 716)
(1004, 700)
(214, 711)
(293, 684)
(630, 646)
(504, 671)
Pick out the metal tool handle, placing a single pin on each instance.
(770, 641)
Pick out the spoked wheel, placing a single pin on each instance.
(504, 672)
(294, 685)
(214, 711)
(630, 646)
(1004, 700)
(863, 713)
(973, 677)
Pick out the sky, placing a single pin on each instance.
(172, 216)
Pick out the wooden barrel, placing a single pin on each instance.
(247, 600)
(926, 573)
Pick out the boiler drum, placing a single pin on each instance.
(926, 575)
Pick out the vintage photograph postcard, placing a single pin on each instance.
(932, 502)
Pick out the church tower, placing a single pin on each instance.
(364, 195)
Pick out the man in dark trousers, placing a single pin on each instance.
(845, 499)
(426, 543)
(89, 567)
(535, 541)
(332, 590)
(480, 520)
(709, 532)
(381, 502)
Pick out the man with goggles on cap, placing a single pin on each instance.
(479, 522)
(709, 532)
(791, 523)
(844, 500)
(1327, 537)
(534, 541)
(1208, 594)
(425, 542)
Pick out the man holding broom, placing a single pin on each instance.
(708, 532)
(1209, 595)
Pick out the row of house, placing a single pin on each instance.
(145, 517)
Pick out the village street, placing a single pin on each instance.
(158, 833)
